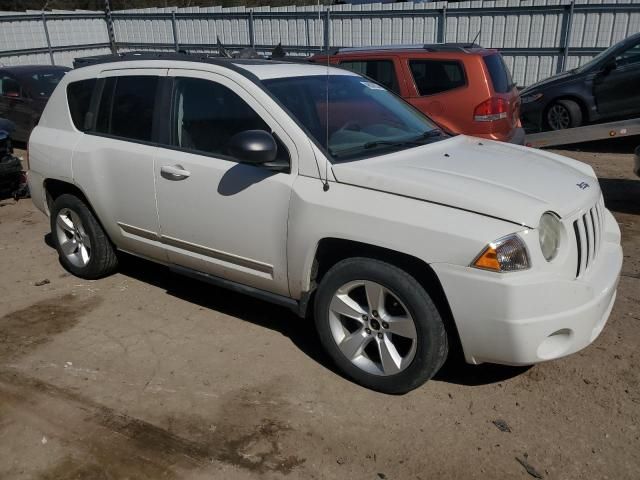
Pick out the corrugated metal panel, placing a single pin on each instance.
(515, 26)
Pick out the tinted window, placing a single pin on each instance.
(381, 71)
(42, 84)
(103, 120)
(435, 76)
(208, 114)
(79, 98)
(9, 86)
(126, 107)
(499, 73)
(629, 56)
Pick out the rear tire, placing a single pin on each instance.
(563, 114)
(379, 325)
(83, 247)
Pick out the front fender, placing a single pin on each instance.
(428, 231)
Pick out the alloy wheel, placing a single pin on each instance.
(72, 237)
(372, 328)
(559, 117)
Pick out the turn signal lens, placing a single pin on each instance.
(507, 254)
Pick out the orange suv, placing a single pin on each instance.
(463, 87)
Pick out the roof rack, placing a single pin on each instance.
(430, 47)
(221, 56)
(141, 55)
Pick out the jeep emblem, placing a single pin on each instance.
(582, 185)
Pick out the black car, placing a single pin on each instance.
(10, 165)
(24, 91)
(605, 88)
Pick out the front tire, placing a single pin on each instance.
(563, 114)
(379, 325)
(83, 247)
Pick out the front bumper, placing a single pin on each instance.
(526, 318)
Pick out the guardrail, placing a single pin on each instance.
(251, 24)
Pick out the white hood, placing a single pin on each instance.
(510, 182)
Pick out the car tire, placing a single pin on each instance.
(563, 114)
(83, 247)
(412, 353)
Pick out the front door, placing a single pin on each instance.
(217, 215)
(616, 90)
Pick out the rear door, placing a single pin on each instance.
(113, 162)
(382, 70)
(616, 90)
(439, 90)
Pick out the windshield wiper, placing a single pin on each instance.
(399, 143)
(392, 143)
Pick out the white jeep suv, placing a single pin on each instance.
(313, 186)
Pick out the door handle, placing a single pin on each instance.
(174, 172)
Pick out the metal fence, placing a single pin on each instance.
(538, 38)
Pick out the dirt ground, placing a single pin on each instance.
(149, 375)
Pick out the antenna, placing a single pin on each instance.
(477, 35)
(325, 186)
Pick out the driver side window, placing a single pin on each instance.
(631, 56)
(207, 114)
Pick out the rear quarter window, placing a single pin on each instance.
(436, 76)
(79, 99)
(499, 73)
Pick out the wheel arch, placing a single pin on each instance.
(331, 250)
(54, 188)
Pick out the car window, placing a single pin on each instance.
(436, 76)
(499, 73)
(79, 98)
(42, 84)
(126, 107)
(382, 71)
(207, 115)
(358, 119)
(9, 86)
(631, 56)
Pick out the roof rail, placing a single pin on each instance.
(137, 55)
(431, 47)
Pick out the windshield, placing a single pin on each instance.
(595, 60)
(42, 84)
(362, 118)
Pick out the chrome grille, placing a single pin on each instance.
(588, 231)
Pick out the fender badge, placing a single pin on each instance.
(582, 185)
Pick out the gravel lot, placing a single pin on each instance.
(149, 375)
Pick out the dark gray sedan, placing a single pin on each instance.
(24, 91)
(605, 88)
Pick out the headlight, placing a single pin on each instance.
(532, 97)
(507, 254)
(550, 231)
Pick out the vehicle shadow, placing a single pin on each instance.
(621, 194)
(458, 372)
(301, 331)
(609, 145)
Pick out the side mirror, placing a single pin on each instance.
(253, 146)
